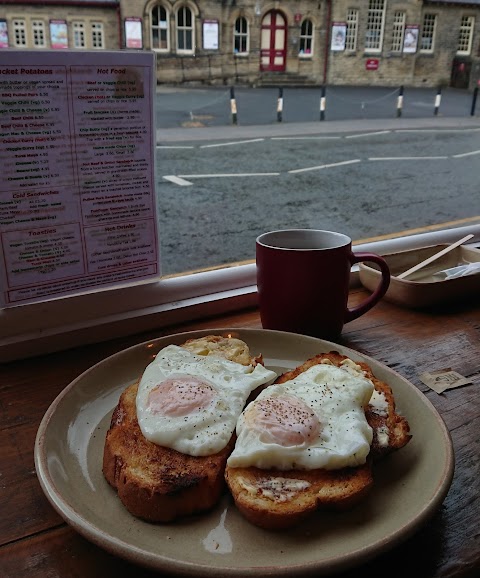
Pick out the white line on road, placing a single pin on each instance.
(459, 156)
(306, 137)
(226, 144)
(210, 176)
(174, 147)
(437, 130)
(177, 180)
(405, 158)
(325, 166)
(368, 134)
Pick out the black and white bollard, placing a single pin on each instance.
(233, 106)
(323, 104)
(438, 100)
(400, 102)
(280, 105)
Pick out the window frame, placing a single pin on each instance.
(100, 31)
(307, 37)
(58, 324)
(38, 27)
(398, 31)
(431, 29)
(470, 29)
(159, 28)
(242, 36)
(79, 29)
(185, 29)
(19, 24)
(375, 23)
(351, 37)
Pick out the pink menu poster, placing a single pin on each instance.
(78, 205)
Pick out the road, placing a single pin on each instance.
(216, 197)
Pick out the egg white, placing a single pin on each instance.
(209, 429)
(338, 396)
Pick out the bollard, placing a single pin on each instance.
(323, 103)
(400, 102)
(280, 105)
(438, 100)
(474, 101)
(233, 106)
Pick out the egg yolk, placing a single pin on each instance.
(180, 395)
(284, 419)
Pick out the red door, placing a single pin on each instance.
(273, 42)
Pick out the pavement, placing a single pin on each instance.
(325, 127)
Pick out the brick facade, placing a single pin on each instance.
(375, 55)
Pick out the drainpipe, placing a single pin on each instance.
(327, 41)
(120, 30)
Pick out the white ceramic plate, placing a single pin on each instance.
(409, 485)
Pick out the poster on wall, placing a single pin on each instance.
(339, 33)
(410, 39)
(58, 34)
(133, 33)
(210, 34)
(3, 34)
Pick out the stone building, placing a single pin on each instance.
(263, 42)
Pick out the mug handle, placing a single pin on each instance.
(380, 290)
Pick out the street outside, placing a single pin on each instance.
(218, 188)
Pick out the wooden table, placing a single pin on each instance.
(35, 541)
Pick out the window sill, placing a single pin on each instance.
(58, 324)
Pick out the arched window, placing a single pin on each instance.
(185, 30)
(240, 36)
(160, 29)
(306, 39)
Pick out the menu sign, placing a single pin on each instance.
(77, 193)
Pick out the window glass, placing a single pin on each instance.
(398, 31)
(465, 36)
(352, 28)
(38, 33)
(428, 33)
(240, 36)
(375, 23)
(160, 28)
(306, 38)
(184, 30)
(79, 35)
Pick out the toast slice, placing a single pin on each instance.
(275, 500)
(157, 483)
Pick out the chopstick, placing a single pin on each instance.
(433, 257)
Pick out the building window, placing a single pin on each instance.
(185, 32)
(19, 33)
(160, 29)
(306, 38)
(465, 35)
(352, 28)
(97, 35)
(78, 35)
(398, 31)
(375, 24)
(427, 36)
(38, 33)
(240, 36)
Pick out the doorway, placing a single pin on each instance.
(273, 42)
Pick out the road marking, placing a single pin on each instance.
(368, 134)
(325, 166)
(437, 130)
(459, 156)
(405, 158)
(226, 144)
(174, 147)
(177, 180)
(221, 175)
(306, 137)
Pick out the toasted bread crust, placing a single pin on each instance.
(153, 482)
(266, 500)
(157, 483)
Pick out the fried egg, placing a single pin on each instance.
(316, 420)
(191, 403)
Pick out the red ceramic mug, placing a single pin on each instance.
(303, 279)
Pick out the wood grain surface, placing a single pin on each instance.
(36, 542)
